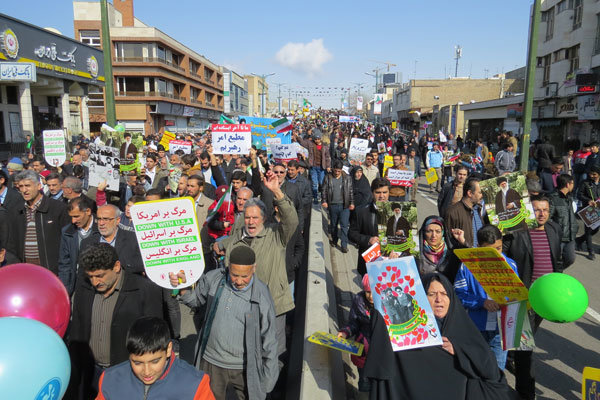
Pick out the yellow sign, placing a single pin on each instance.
(492, 272)
(333, 342)
(166, 138)
(388, 161)
(590, 385)
(431, 176)
(393, 124)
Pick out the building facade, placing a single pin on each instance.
(235, 93)
(258, 95)
(159, 82)
(45, 79)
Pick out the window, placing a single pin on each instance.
(129, 51)
(550, 24)
(546, 64)
(573, 56)
(561, 6)
(597, 41)
(90, 37)
(558, 55)
(208, 97)
(577, 15)
(160, 53)
(161, 86)
(207, 74)
(544, 16)
(12, 95)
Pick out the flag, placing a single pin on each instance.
(225, 120)
(225, 198)
(512, 318)
(282, 125)
(307, 103)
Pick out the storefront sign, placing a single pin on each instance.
(188, 111)
(13, 71)
(567, 108)
(588, 107)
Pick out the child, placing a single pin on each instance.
(359, 327)
(153, 371)
(482, 309)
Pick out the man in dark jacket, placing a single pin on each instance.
(104, 307)
(36, 225)
(536, 252)
(589, 195)
(338, 197)
(593, 159)
(10, 198)
(544, 153)
(466, 214)
(363, 227)
(452, 191)
(548, 175)
(82, 226)
(561, 212)
(319, 160)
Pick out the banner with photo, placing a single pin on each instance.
(397, 227)
(359, 103)
(104, 165)
(377, 102)
(590, 216)
(358, 149)
(399, 296)
(262, 129)
(507, 204)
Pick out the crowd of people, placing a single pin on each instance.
(124, 331)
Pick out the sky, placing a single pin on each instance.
(331, 44)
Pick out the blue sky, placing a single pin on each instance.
(329, 43)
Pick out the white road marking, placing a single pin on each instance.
(592, 313)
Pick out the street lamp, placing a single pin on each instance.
(262, 95)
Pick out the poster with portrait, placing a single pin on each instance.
(397, 227)
(399, 296)
(507, 202)
(104, 165)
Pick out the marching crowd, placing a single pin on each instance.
(124, 330)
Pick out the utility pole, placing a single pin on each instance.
(263, 79)
(279, 85)
(109, 89)
(457, 56)
(529, 84)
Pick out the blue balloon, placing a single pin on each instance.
(34, 361)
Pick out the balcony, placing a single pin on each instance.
(146, 60)
(196, 101)
(130, 93)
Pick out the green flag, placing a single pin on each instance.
(225, 120)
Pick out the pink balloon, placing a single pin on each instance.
(31, 291)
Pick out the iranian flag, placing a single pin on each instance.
(225, 199)
(282, 125)
(307, 103)
(225, 120)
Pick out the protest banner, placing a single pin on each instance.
(358, 149)
(397, 227)
(104, 165)
(231, 138)
(169, 239)
(431, 176)
(372, 253)
(337, 343)
(381, 147)
(55, 151)
(590, 216)
(507, 204)
(166, 139)
(349, 118)
(388, 161)
(494, 274)
(184, 145)
(284, 152)
(303, 151)
(393, 124)
(590, 384)
(359, 103)
(262, 129)
(399, 296)
(398, 177)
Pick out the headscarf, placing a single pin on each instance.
(365, 283)
(431, 372)
(437, 254)
(362, 190)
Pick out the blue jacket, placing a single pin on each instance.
(472, 295)
(180, 381)
(434, 159)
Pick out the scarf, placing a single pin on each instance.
(438, 253)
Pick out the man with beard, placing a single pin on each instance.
(452, 191)
(507, 198)
(397, 225)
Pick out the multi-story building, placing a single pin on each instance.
(159, 82)
(568, 45)
(235, 93)
(258, 95)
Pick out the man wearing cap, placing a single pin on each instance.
(14, 166)
(237, 345)
(319, 160)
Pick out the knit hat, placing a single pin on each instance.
(365, 283)
(242, 255)
(15, 164)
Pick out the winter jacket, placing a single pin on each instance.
(472, 295)
(260, 341)
(127, 250)
(347, 189)
(434, 159)
(69, 255)
(505, 162)
(588, 191)
(269, 246)
(312, 149)
(561, 212)
(593, 159)
(179, 381)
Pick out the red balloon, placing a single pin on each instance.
(31, 291)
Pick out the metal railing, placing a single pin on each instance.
(130, 93)
(147, 59)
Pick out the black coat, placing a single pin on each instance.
(50, 217)
(69, 255)
(445, 198)
(517, 245)
(127, 248)
(363, 227)
(13, 200)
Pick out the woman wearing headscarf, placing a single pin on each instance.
(362, 189)
(464, 367)
(436, 255)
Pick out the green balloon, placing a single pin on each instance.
(120, 128)
(257, 144)
(558, 297)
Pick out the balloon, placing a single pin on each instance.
(257, 144)
(34, 361)
(34, 292)
(120, 128)
(558, 297)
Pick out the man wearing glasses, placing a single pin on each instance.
(124, 242)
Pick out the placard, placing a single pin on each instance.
(590, 385)
(332, 341)
(358, 149)
(373, 253)
(231, 138)
(399, 296)
(388, 161)
(590, 216)
(169, 239)
(166, 139)
(284, 152)
(262, 129)
(398, 177)
(349, 118)
(381, 147)
(303, 151)
(184, 145)
(397, 227)
(494, 274)
(55, 151)
(431, 176)
(104, 165)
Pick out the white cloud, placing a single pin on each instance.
(307, 58)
